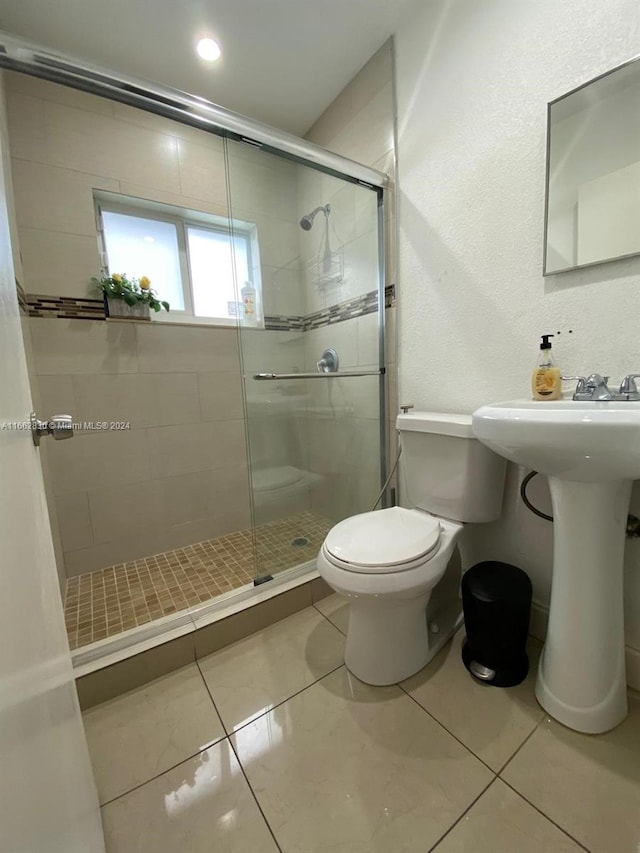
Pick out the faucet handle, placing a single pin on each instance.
(404, 407)
(628, 387)
(579, 379)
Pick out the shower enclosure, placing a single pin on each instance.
(237, 428)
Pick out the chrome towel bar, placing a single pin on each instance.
(268, 377)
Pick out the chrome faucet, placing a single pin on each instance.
(628, 388)
(594, 388)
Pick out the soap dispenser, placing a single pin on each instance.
(545, 379)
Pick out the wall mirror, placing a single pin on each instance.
(593, 172)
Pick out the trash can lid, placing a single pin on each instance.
(495, 581)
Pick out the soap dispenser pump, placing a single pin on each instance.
(545, 379)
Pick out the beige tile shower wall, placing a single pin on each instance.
(343, 415)
(178, 473)
(360, 124)
(277, 419)
(263, 189)
(66, 144)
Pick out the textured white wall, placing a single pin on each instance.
(473, 81)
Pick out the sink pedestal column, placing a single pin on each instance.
(581, 677)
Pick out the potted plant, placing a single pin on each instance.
(128, 298)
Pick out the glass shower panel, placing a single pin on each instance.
(314, 444)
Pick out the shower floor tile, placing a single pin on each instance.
(108, 601)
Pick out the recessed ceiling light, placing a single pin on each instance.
(208, 49)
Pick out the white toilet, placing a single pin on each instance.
(388, 562)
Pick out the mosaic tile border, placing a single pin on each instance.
(390, 296)
(22, 298)
(338, 313)
(283, 323)
(65, 307)
(85, 308)
(347, 310)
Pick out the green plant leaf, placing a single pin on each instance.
(165, 305)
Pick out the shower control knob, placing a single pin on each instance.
(328, 362)
(404, 407)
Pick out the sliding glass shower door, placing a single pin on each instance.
(310, 308)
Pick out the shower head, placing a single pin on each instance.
(307, 221)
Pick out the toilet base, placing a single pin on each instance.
(389, 641)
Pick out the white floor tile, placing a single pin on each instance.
(491, 721)
(143, 733)
(336, 608)
(587, 784)
(502, 822)
(201, 806)
(253, 675)
(349, 768)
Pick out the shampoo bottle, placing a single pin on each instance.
(545, 379)
(248, 294)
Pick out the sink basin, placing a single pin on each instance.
(582, 441)
(591, 454)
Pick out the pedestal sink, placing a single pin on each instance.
(591, 454)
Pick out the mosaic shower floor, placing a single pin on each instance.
(108, 601)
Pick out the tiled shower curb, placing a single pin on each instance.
(137, 665)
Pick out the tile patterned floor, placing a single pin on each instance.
(108, 601)
(271, 745)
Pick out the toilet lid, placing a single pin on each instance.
(375, 541)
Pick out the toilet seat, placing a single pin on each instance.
(384, 542)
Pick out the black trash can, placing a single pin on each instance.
(496, 599)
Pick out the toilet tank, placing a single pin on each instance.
(447, 471)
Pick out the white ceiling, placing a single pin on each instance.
(283, 61)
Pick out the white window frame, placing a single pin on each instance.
(184, 218)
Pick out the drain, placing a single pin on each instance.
(299, 542)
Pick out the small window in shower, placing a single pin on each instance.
(197, 262)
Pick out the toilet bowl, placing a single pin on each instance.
(386, 563)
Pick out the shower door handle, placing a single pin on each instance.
(266, 377)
